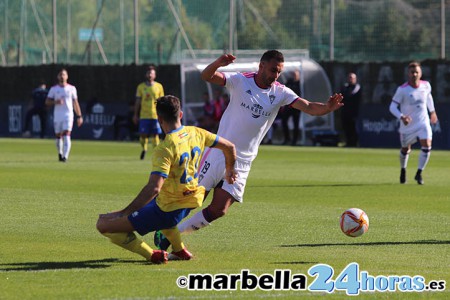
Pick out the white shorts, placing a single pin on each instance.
(423, 133)
(63, 125)
(212, 172)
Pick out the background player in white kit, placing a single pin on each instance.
(64, 97)
(414, 98)
(255, 99)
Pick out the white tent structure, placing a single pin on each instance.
(314, 84)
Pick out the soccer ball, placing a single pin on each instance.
(354, 222)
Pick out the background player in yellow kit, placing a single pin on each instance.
(172, 190)
(145, 110)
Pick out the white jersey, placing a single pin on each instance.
(68, 94)
(414, 102)
(251, 112)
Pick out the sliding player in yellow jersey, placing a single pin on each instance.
(172, 190)
(145, 110)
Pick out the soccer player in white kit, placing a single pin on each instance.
(415, 100)
(63, 97)
(255, 98)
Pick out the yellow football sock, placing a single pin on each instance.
(155, 141)
(174, 237)
(129, 241)
(144, 143)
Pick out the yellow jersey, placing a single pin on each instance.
(148, 95)
(177, 159)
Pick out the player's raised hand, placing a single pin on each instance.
(226, 59)
(335, 102)
(210, 73)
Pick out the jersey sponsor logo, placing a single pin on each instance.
(256, 110)
(272, 98)
(416, 102)
(205, 168)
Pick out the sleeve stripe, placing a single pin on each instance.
(215, 141)
(164, 175)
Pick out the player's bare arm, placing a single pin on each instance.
(137, 109)
(78, 115)
(229, 152)
(51, 101)
(433, 117)
(318, 108)
(210, 73)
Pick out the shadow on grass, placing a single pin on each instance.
(317, 185)
(424, 242)
(295, 263)
(65, 265)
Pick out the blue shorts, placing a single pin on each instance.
(151, 218)
(149, 126)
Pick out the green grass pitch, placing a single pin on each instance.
(289, 220)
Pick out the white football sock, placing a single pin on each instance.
(196, 222)
(59, 145)
(67, 145)
(424, 156)
(404, 160)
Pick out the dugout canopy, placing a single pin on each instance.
(314, 85)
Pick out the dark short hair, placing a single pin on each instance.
(151, 67)
(168, 108)
(414, 64)
(272, 54)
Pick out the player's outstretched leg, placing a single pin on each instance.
(129, 241)
(119, 231)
